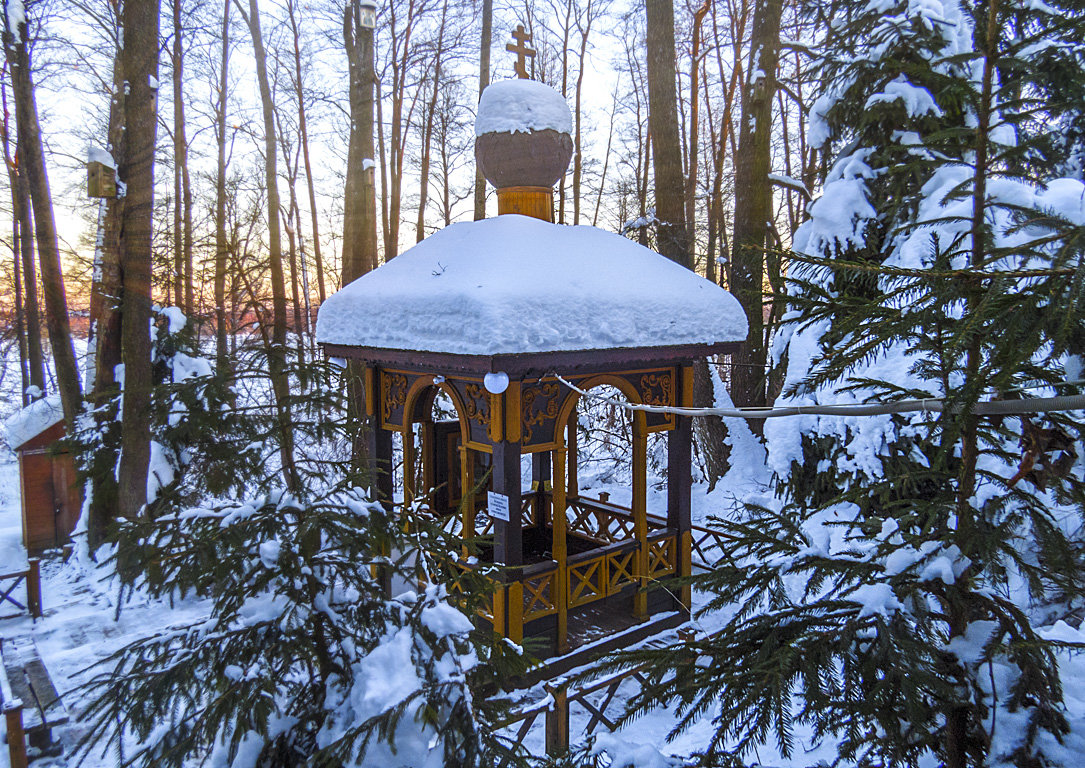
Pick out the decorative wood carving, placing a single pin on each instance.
(476, 406)
(657, 388)
(540, 404)
(393, 394)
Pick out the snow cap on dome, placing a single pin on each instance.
(522, 106)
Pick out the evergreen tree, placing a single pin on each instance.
(303, 657)
(896, 587)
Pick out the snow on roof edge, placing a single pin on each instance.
(29, 422)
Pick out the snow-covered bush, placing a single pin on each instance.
(304, 659)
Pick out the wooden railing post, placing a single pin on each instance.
(557, 719)
(500, 593)
(13, 714)
(33, 587)
(640, 513)
(467, 493)
(560, 552)
(515, 609)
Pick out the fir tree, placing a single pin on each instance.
(895, 589)
(304, 657)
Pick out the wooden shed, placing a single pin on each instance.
(51, 497)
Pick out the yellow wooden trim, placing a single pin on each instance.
(369, 381)
(467, 497)
(572, 456)
(513, 416)
(409, 491)
(516, 612)
(499, 611)
(686, 375)
(560, 552)
(480, 447)
(536, 202)
(497, 419)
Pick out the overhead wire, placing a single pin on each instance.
(926, 405)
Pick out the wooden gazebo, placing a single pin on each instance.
(489, 315)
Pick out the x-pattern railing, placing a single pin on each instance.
(9, 582)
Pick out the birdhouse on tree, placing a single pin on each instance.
(101, 174)
(490, 319)
(51, 497)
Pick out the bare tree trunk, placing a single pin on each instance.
(578, 152)
(694, 122)
(483, 81)
(32, 358)
(32, 158)
(182, 180)
(222, 352)
(303, 129)
(280, 382)
(359, 197)
(674, 237)
(663, 124)
(427, 131)
(18, 206)
(606, 160)
(753, 204)
(139, 63)
(293, 224)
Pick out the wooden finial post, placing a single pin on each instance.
(522, 50)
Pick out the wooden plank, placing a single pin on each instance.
(20, 689)
(52, 708)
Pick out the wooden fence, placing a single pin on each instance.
(561, 697)
(32, 577)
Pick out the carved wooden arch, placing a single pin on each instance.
(420, 388)
(623, 385)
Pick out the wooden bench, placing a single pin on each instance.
(32, 706)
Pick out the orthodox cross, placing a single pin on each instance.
(521, 49)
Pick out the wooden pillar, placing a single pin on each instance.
(428, 453)
(540, 484)
(508, 536)
(557, 719)
(380, 464)
(13, 714)
(379, 445)
(467, 492)
(409, 489)
(640, 513)
(560, 551)
(679, 479)
(33, 587)
(574, 485)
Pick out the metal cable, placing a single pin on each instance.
(927, 405)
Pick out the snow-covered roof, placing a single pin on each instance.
(522, 106)
(26, 424)
(514, 284)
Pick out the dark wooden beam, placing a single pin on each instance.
(508, 536)
(532, 364)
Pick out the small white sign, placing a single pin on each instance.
(498, 504)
